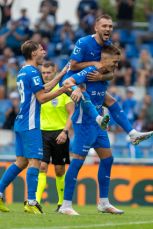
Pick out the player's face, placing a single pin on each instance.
(104, 28)
(48, 73)
(39, 55)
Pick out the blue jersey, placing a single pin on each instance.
(96, 92)
(86, 49)
(29, 81)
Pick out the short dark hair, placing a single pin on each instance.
(105, 16)
(28, 47)
(48, 64)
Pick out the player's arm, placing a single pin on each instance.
(97, 76)
(44, 96)
(105, 73)
(50, 85)
(79, 66)
(77, 79)
(62, 137)
(77, 57)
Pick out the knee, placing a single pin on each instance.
(59, 170)
(22, 163)
(43, 167)
(34, 163)
(110, 101)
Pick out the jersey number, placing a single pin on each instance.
(21, 90)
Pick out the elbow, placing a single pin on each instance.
(42, 99)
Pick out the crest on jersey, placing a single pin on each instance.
(54, 102)
(76, 50)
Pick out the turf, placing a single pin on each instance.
(134, 218)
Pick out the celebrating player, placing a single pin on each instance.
(86, 53)
(27, 125)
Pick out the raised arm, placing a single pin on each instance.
(50, 85)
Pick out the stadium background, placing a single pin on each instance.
(132, 181)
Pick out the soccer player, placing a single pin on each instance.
(27, 125)
(87, 52)
(88, 134)
(55, 124)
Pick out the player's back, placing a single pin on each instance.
(29, 82)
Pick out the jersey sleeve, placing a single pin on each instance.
(78, 51)
(36, 82)
(81, 77)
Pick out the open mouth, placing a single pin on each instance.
(106, 36)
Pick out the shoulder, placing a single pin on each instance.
(84, 40)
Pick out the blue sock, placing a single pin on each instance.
(104, 176)
(32, 181)
(120, 117)
(71, 178)
(8, 176)
(88, 106)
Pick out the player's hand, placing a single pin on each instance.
(61, 138)
(94, 76)
(76, 95)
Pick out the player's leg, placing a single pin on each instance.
(91, 110)
(121, 119)
(102, 147)
(83, 138)
(60, 157)
(11, 173)
(70, 183)
(42, 180)
(47, 153)
(32, 140)
(60, 180)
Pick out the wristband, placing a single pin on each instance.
(74, 87)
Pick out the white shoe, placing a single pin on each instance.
(68, 211)
(109, 209)
(137, 137)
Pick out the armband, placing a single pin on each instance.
(74, 87)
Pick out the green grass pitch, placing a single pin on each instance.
(134, 218)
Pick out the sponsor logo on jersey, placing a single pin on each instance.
(76, 50)
(36, 80)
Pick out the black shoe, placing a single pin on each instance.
(58, 207)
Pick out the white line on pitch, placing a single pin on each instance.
(90, 226)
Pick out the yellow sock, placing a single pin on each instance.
(60, 188)
(41, 186)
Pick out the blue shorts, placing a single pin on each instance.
(88, 136)
(29, 144)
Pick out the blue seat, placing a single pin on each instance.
(131, 51)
